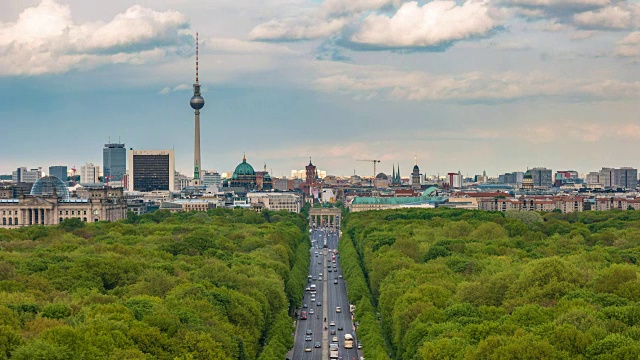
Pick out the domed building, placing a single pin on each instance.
(246, 177)
(381, 181)
(50, 186)
(527, 181)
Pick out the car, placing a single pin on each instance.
(305, 306)
(314, 278)
(339, 276)
(319, 262)
(318, 303)
(317, 344)
(335, 339)
(307, 349)
(359, 345)
(308, 338)
(320, 275)
(332, 323)
(335, 281)
(307, 289)
(315, 252)
(320, 278)
(309, 277)
(335, 266)
(340, 328)
(338, 309)
(329, 270)
(333, 331)
(309, 332)
(310, 311)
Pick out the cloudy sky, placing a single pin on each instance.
(500, 85)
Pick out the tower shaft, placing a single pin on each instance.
(196, 152)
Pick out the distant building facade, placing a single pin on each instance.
(542, 177)
(22, 175)
(114, 162)
(151, 170)
(49, 204)
(59, 171)
(212, 179)
(275, 201)
(90, 174)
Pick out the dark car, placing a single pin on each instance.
(359, 345)
(333, 331)
(340, 328)
(305, 306)
(317, 344)
(318, 303)
(308, 338)
(309, 332)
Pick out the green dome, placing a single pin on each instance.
(243, 169)
(528, 175)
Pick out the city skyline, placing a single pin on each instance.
(525, 84)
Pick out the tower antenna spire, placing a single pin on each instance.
(197, 43)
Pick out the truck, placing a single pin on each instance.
(348, 341)
(333, 351)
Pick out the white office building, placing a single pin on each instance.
(90, 174)
(275, 201)
(22, 175)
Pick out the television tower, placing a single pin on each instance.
(197, 103)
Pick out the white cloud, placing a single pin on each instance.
(237, 46)
(560, 3)
(297, 29)
(435, 23)
(612, 17)
(467, 87)
(45, 39)
(346, 7)
(629, 46)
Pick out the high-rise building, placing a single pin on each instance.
(59, 171)
(22, 175)
(197, 103)
(625, 177)
(542, 177)
(454, 180)
(114, 162)
(151, 170)
(90, 174)
(212, 179)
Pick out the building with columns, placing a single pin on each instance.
(325, 217)
(49, 204)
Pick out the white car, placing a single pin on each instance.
(332, 323)
(338, 309)
(335, 339)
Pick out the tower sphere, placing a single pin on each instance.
(197, 102)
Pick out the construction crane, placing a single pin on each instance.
(375, 162)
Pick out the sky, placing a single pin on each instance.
(495, 85)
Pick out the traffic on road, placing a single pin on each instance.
(325, 327)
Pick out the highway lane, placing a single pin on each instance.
(335, 296)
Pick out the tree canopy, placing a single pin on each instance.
(215, 285)
(455, 284)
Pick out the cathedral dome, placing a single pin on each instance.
(243, 169)
(382, 176)
(416, 168)
(49, 185)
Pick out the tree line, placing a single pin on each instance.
(456, 284)
(186, 286)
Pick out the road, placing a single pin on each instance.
(330, 295)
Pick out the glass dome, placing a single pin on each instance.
(47, 185)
